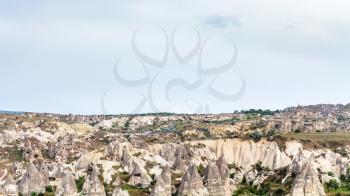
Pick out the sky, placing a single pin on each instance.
(186, 56)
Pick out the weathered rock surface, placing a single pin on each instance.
(93, 186)
(236, 151)
(307, 182)
(67, 186)
(9, 188)
(120, 192)
(32, 181)
(128, 149)
(179, 164)
(192, 184)
(216, 185)
(139, 177)
(163, 183)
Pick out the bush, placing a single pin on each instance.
(49, 189)
(256, 135)
(330, 173)
(332, 185)
(79, 183)
(127, 124)
(258, 166)
(201, 169)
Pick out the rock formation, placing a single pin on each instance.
(236, 151)
(32, 181)
(9, 188)
(192, 184)
(179, 165)
(43, 149)
(120, 192)
(31, 149)
(223, 167)
(139, 177)
(307, 182)
(93, 186)
(163, 183)
(67, 186)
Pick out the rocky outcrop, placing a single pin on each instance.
(139, 177)
(192, 184)
(298, 163)
(223, 167)
(31, 149)
(307, 182)
(58, 150)
(67, 186)
(251, 175)
(214, 183)
(116, 148)
(93, 186)
(85, 161)
(163, 183)
(248, 153)
(179, 165)
(120, 192)
(238, 177)
(167, 151)
(44, 171)
(328, 161)
(9, 188)
(32, 181)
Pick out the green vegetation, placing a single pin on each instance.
(127, 123)
(79, 183)
(258, 166)
(330, 173)
(228, 121)
(50, 191)
(35, 194)
(248, 190)
(109, 188)
(201, 169)
(115, 125)
(259, 112)
(332, 187)
(124, 176)
(256, 135)
(316, 140)
(271, 186)
(16, 154)
(135, 191)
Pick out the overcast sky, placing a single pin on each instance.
(63, 56)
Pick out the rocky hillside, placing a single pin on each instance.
(253, 152)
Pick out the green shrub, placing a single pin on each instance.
(330, 173)
(79, 183)
(201, 169)
(332, 185)
(49, 189)
(256, 135)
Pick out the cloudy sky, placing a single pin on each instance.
(93, 57)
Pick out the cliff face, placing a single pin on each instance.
(237, 151)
